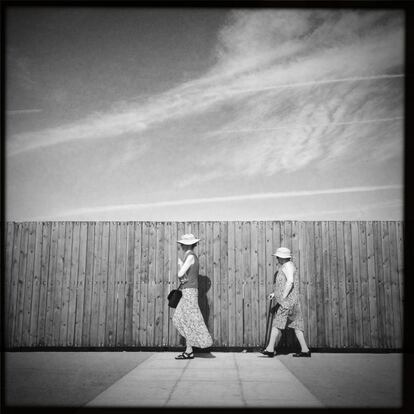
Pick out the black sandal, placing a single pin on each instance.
(184, 355)
(302, 354)
(269, 354)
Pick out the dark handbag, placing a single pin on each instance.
(174, 297)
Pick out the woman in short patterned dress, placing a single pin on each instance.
(187, 316)
(289, 314)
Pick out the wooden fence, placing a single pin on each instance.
(104, 284)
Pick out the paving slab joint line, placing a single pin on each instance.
(239, 380)
(176, 383)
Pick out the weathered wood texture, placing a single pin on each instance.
(104, 284)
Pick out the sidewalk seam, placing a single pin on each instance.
(176, 383)
(239, 381)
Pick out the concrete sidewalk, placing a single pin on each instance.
(219, 379)
(228, 380)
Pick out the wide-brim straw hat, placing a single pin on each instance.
(188, 239)
(283, 253)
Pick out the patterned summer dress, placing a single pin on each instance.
(187, 316)
(289, 314)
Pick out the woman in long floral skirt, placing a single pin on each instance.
(187, 316)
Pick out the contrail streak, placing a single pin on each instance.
(245, 197)
(319, 82)
(23, 111)
(367, 121)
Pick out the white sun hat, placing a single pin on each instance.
(188, 239)
(283, 252)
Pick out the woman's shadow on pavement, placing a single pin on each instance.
(204, 285)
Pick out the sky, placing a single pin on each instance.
(204, 114)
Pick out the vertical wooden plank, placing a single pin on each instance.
(158, 281)
(67, 255)
(143, 337)
(364, 290)
(96, 285)
(51, 289)
(144, 286)
(129, 283)
(216, 283)
(302, 276)
(279, 234)
(334, 285)
(89, 276)
(248, 340)
(181, 230)
(18, 322)
(349, 286)
(261, 272)
(74, 267)
(103, 286)
(341, 284)
(231, 271)
(327, 280)
(121, 247)
(380, 284)
(172, 334)
(269, 259)
(166, 282)
(209, 259)
(58, 280)
(254, 282)
(80, 291)
(27, 301)
(12, 305)
(396, 305)
(239, 284)
(356, 279)
(291, 232)
(400, 259)
(110, 320)
(287, 231)
(224, 278)
(372, 286)
(278, 239)
(295, 244)
(9, 280)
(319, 287)
(151, 283)
(311, 281)
(204, 283)
(34, 309)
(44, 283)
(137, 284)
(386, 266)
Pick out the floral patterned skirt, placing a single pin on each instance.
(289, 317)
(189, 321)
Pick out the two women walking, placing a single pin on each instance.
(190, 323)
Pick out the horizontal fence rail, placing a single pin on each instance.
(104, 284)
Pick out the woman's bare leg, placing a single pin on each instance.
(301, 339)
(275, 336)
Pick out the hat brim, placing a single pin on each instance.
(282, 256)
(188, 242)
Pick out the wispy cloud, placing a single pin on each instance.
(244, 197)
(23, 111)
(268, 66)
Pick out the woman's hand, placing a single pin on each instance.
(180, 262)
(271, 296)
